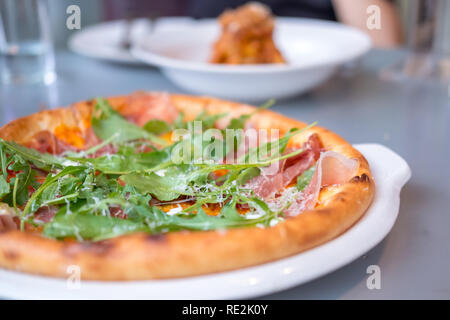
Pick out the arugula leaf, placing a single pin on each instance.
(179, 122)
(49, 181)
(126, 163)
(157, 126)
(68, 184)
(25, 177)
(229, 217)
(208, 120)
(110, 123)
(279, 145)
(166, 185)
(239, 177)
(85, 226)
(60, 191)
(247, 174)
(305, 178)
(4, 187)
(41, 160)
(49, 194)
(3, 161)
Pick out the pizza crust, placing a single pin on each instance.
(187, 253)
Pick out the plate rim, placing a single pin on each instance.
(74, 45)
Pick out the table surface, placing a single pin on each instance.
(410, 117)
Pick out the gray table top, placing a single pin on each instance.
(409, 117)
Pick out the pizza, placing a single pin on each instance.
(246, 36)
(155, 185)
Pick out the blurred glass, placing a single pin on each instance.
(428, 44)
(26, 49)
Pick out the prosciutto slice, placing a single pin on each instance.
(7, 223)
(45, 214)
(6, 218)
(266, 185)
(143, 106)
(332, 169)
(46, 142)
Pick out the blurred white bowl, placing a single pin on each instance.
(103, 41)
(313, 50)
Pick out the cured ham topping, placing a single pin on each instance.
(45, 214)
(117, 212)
(332, 168)
(47, 142)
(6, 218)
(142, 107)
(7, 223)
(267, 186)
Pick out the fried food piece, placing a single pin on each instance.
(246, 36)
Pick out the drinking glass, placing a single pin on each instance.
(428, 44)
(26, 49)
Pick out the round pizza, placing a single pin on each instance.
(154, 185)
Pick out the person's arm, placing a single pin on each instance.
(354, 13)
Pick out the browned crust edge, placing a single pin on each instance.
(180, 254)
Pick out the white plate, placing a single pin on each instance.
(312, 48)
(390, 172)
(102, 41)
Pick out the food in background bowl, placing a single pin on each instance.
(246, 37)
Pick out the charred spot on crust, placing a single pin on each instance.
(362, 178)
(11, 255)
(156, 237)
(100, 248)
(341, 198)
